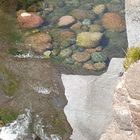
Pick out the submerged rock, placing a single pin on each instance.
(96, 28)
(81, 56)
(98, 57)
(89, 66)
(39, 42)
(76, 26)
(66, 21)
(113, 21)
(99, 9)
(66, 52)
(29, 20)
(82, 14)
(88, 39)
(100, 66)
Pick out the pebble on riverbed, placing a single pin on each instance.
(66, 21)
(39, 42)
(29, 20)
(88, 39)
(113, 21)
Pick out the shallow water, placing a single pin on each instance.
(38, 77)
(113, 44)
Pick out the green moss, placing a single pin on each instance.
(7, 115)
(58, 124)
(15, 37)
(132, 55)
(9, 82)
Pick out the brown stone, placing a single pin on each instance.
(29, 20)
(92, 50)
(81, 56)
(89, 66)
(66, 34)
(66, 21)
(82, 14)
(39, 42)
(113, 21)
(76, 26)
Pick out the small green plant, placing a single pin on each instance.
(132, 55)
(7, 115)
(9, 83)
(15, 37)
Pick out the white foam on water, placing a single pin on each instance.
(42, 90)
(28, 55)
(40, 130)
(17, 129)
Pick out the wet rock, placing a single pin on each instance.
(81, 56)
(89, 66)
(96, 28)
(39, 42)
(113, 21)
(73, 3)
(76, 26)
(88, 39)
(99, 66)
(66, 34)
(69, 61)
(66, 21)
(66, 52)
(29, 20)
(61, 3)
(47, 54)
(84, 28)
(99, 9)
(82, 14)
(86, 22)
(92, 50)
(87, 6)
(94, 66)
(98, 57)
(66, 37)
(116, 6)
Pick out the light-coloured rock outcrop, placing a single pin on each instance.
(89, 107)
(132, 12)
(126, 106)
